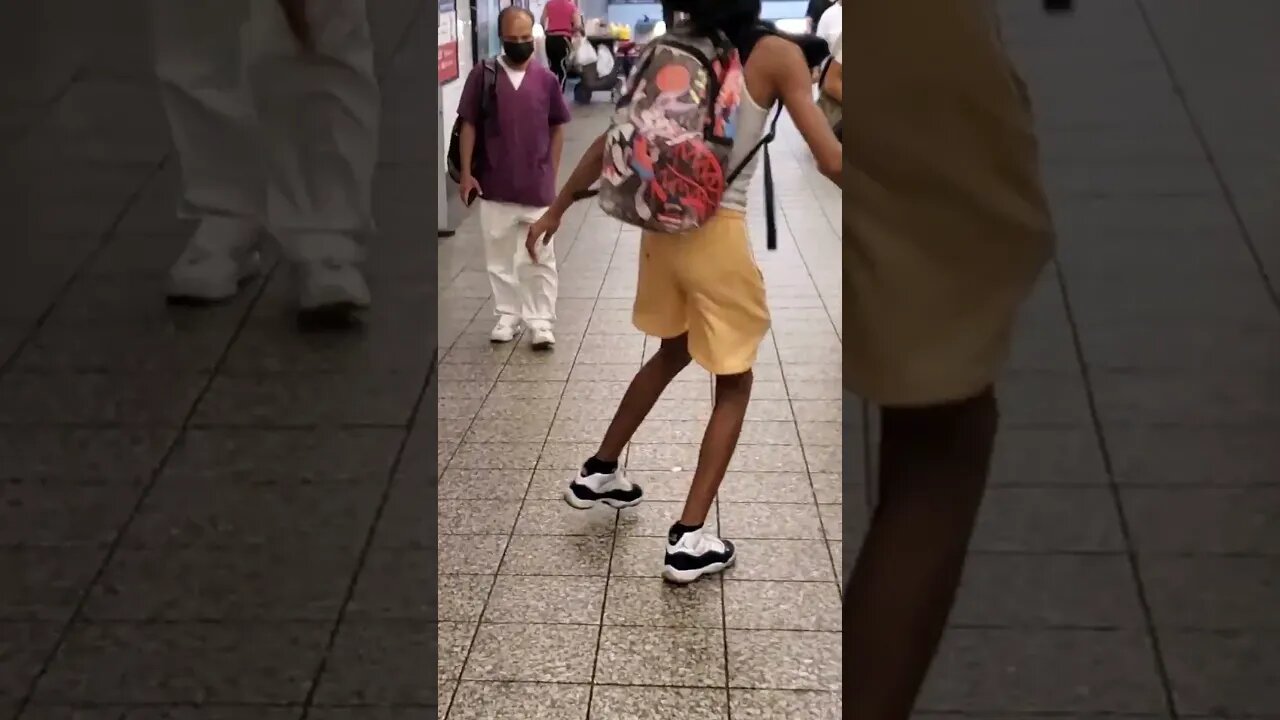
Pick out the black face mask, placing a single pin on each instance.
(518, 52)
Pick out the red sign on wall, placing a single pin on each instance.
(447, 42)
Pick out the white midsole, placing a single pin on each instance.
(581, 504)
(682, 577)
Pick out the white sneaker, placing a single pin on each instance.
(331, 286)
(613, 489)
(543, 339)
(694, 554)
(219, 259)
(506, 330)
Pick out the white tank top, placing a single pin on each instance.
(751, 122)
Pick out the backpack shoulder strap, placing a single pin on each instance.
(826, 67)
(760, 144)
(488, 87)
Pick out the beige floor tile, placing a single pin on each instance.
(469, 554)
(690, 657)
(657, 703)
(784, 660)
(766, 487)
(545, 599)
(788, 704)
(770, 521)
(556, 517)
(651, 602)
(532, 653)
(557, 555)
(520, 701)
(765, 605)
(781, 560)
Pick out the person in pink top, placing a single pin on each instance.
(560, 20)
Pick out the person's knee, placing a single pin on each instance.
(949, 445)
(734, 386)
(977, 415)
(673, 355)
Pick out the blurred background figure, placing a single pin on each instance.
(813, 13)
(274, 111)
(829, 24)
(946, 232)
(561, 20)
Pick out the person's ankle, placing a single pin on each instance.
(595, 466)
(680, 529)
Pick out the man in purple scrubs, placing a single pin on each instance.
(521, 136)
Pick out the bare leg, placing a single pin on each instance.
(933, 470)
(733, 392)
(645, 389)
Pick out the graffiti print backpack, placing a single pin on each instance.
(666, 153)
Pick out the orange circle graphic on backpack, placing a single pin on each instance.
(672, 79)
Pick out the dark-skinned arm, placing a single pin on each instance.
(833, 84)
(790, 75)
(583, 177)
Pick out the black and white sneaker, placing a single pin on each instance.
(694, 554)
(612, 489)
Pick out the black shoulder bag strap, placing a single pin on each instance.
(488, 87)
(488, 100)
(770, 212)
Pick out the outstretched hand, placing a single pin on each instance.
(540, 232)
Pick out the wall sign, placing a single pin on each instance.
(447, 42)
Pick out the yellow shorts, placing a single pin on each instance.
(946, 223)
(705, 283)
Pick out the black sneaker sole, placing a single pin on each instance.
(682, 569)
(335, 316)
(191, 301)
(684, 577)
(584, 498)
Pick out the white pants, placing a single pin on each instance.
(521, 287)
(265, 134)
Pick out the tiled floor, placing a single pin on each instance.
(198, 517)
(1126, 556)
(1127, 560)
(547, 611)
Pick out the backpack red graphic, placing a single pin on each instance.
(667, 152)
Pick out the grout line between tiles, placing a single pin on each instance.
(1113, 488)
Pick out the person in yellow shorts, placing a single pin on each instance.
(701, 292)
(946, 230)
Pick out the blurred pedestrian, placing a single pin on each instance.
(274, 110)
(946, 231)
(813, 13)
(522, 138)
(561, 20)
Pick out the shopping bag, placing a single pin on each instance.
(604, 62)
(585, 55)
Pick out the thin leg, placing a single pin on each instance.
(733, 392)
(643, 392)
(933, 470)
